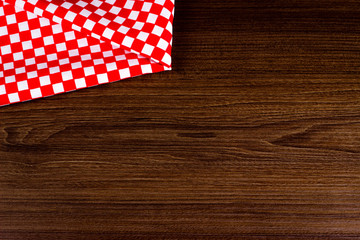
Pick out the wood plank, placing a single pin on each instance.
(253, 135)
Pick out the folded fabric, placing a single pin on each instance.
(50, 47)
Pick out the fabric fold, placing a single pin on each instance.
(49, 47)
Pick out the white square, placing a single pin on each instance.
(138, 25)
(5, 49)
(13, 97)
(14, 38)
(85, 57)
(64, 61)
(146, 7)
(95, 48)
(116, 46)
(32, 74)
(82, 42)
(73, 53)
(167, 59)
(89, 25)
(128, 41)
(8, 66)
(36, 33)
(104, 21)
(45, 80)
(108, 33)
(18, 56)
(2, 89)
(123, 29)
(66, 5)
(108, 54)
(129, 4)
(143, 36)
(54, 70)
(29, 61)
(35, 93)
(11, 19)
(22, 85)
(58, 88)
(98, 61)
(27, 45)
(57, 29)
(96, 3)
(38, 11)
(89, 71)
(39, 51)
(148, 49)
(115, 10)
(76, 28)
(152, 18)
(76, 65)
(48, 40)
(80, 83)
(3, 31)
(111, 66)
(133, 15)
(20, 70)
(44, 22)
(162, 44)
(102, 78)
(30, 15)
(67, 75)
(56, 19)
(100, 12)
(85, 13)
(160, 2)
(69, 36)
(94, 35)
(23, 26)
(169, 27)
(120, 57)
(119, 20)
(81, 3)
(9, 79)
(124, 73)
(133, 62)
(42, 66)
(33, 2)
(165, 13)
(51, 8)
(146, 68)
(70, 16)
(60, 47)
(157, 31)
(51, 57)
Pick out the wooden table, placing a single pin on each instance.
(255, 134)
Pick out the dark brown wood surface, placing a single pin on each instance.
(255, 134)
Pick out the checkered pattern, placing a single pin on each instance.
(49, 47)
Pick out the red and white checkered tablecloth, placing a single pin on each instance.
(54, 46)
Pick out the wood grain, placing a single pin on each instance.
(255, 134)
